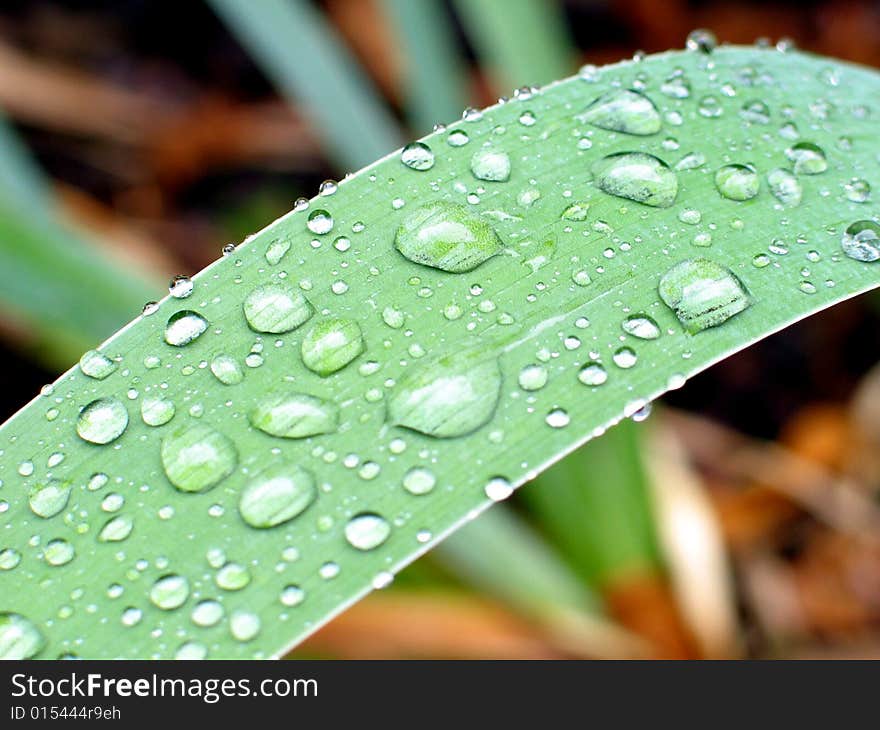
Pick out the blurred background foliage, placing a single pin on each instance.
(137, 137)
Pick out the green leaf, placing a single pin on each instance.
(446, 390)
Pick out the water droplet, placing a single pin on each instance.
(191, 651)
(331, 345)
(448, 397)
(593, 374)
(637, 176)
(185, 326)
(532, 377)
(244, 625)
(419, 480)
(197, 458)
(625, 357)
(96, 365)
(490, 164)
(102, 421)
(457, 138)
(292, 595)
(116, 529)
(701, 40)
(756, 112)
(702, 293)
(641, 326)
(207, 613)
(498, 489)
(232, 577)
(691, 216)
(417, 156)
(786, 188)
(557, 418)
(861, 241)
(328, 187)
(227, 369)
(623, 110)
(169, 592)
(277, 250)
(294, 415)
(710, 107)
(807, 287)
(58, 552)
(320, 222)
(181, 287)
(446, 236)
(132, 616)
(329, 570)
(47, 500)
(576, 212)
(367, 531)
(857, 190)
(156, 411)
(737, 182)
(276, 308)
(277, 495)
(759, 261)
(807, 158)
(19, 637)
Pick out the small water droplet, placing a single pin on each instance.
(557, 418)
(490, 164)
(157, 411)
(367, 531)
(637, 176)
(701, 40)
(58, 552)
(102, 421)
(861, 241)
(292, 595)
(196, 457)
(737, 182)
(417, 156)
(625, 357)
(593, 374)
(116, 529)
(786, 188)
(232, 577)
(19, 637)
(457, 138)
(532, 377)
(320, 222)
(207, 613)
(244, 625)
(47, 500)
(227, 369)
(294, 415)
(96, 365)
(181, 287)
(623, 110)
(756, 112)
(276, 250)
(702, 293)
(276, 308)
(183, 327)
(498, 489)
(169, 592)
(857, 190)
(277, 495)
(641, 326)
(807, 158)
(419, 480)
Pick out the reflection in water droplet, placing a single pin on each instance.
(183, 327)
(641, 326)
(367, 531)
(277, 495)
(737, 182)
(197, 458)
(96, 365)
(448, 397)
(276, 308)
(294, 415)
(623, 110)
(807, 158)
(169, 592)
(446, 236)
(861, 241)
(102, 421)
(637, 176)
(19, 637)
(702, 293)
(786, 188)
(331, 345)
(47, 500)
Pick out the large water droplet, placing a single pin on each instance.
(116, 529)
(227, 369)
(294, 415)
(641, 326)
(58, 552)
(807, 158)
(623, 110)
(102, 421)
(331, 344)
(417, 156)
(185, 326)
(446, 236)
(861, 241)
(367, 531)
(532, 377)
(702, 293)
(276, 308)
(593, 374)
(637, 176)
(19, 637)
(180, 287)
(169, 592)
(490, 164)
(448, 397)
(47, 500)
(419, 480)
(197, 457)
(320, 222)
(9, 558)
(96, 365)
(276, 495)
(737, 182)
(157, 411)
(786, 188)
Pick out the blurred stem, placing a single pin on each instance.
(435, 76)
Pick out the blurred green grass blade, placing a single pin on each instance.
(436, 79)
(473, 377)
(500, 554)
(594, 504)
(303, 56)
(68, 296)
(523, 42)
